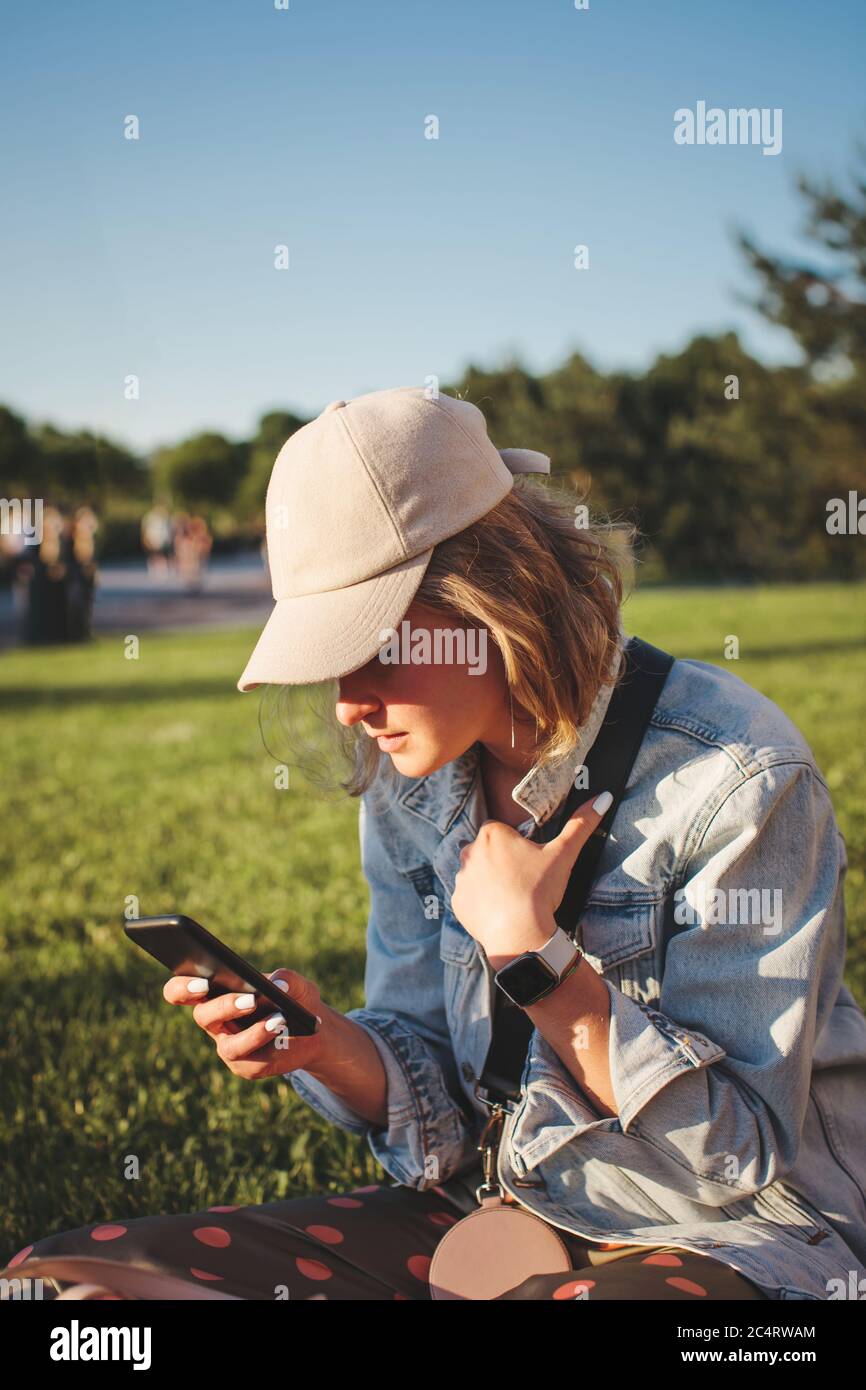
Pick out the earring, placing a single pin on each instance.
(511, 698)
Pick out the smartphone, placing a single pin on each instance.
(186, 948)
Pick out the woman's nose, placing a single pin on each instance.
(352, 708)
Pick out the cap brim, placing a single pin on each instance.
(318, 637)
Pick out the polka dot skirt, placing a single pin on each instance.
(371, 1243)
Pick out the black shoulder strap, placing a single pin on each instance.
(608, 764)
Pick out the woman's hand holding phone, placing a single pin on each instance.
(341, 1054)
(259, 1049)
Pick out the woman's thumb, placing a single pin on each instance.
(581, 824)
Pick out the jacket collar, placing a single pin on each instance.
(443, 795)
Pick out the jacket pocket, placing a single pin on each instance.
(465, 993)
(455, 944)
(547, 1118)
(618, 937)
(780, 1207)
(617, 930)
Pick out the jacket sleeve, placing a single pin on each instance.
(716, 1079)
(426, 1138)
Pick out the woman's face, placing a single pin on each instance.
(425, 713)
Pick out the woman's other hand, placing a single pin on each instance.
(508, 888)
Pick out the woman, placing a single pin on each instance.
(691, 1113)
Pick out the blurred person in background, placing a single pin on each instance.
(13, 566)
(82, 573)
(157, 538)
(60, 578)
(192, 546)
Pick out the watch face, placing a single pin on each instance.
(524, 978)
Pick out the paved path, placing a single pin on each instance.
(235, 592)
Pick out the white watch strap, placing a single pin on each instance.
(558, 951)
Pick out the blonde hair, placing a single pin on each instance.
(549, 593)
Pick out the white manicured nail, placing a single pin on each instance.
(601, 803)
(274, 1022)
(197, 987)
(245, 1001)
(283, 985)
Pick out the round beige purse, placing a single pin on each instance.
(492, 1250)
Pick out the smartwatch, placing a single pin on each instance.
(535, 974)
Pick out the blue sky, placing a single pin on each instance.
(408, 257)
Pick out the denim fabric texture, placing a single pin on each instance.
(737, 1054)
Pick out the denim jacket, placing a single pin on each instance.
(737, 1055)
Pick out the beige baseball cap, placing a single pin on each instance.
(357, 500)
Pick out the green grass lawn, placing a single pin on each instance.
(149, 778)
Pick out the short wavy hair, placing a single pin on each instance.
(549, 591)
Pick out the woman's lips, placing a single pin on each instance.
(388, 743)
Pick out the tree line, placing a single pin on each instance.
(728, 467)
